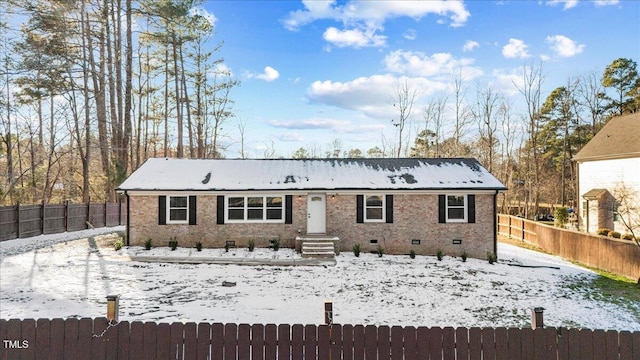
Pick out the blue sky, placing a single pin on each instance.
(315, 71)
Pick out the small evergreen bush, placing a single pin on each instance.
(604, 231)
(464, 256)
(561, 216)
(173, 243)
(118, 244)
(251, 245)
(380, 251)
(275, 244)
(356, 250)
(226, 247)
(198, 246)
(412, 254)
(147, 244)
(439, 255)
(491, 257)
(614, 234)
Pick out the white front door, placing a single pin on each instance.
(316, 214)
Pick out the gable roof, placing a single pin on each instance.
(618, 139)
(310, 174)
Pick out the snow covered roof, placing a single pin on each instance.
(310, 174)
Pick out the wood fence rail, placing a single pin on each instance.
(72, 339)
(21, 221)
(617, 256)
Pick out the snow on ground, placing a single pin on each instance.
(55, 276)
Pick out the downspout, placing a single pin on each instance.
(495, 224)
(126, 194)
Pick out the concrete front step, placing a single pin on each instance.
(318, 246)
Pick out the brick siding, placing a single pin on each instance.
(415, 218)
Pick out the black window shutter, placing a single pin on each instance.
(162, 210)
(359, 208)
(220, 210)
(288, 209)
(389, 209)
(192, 210)
(471, 208)
(442, 209)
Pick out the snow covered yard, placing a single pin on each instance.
(56, 276)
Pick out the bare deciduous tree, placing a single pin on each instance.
(405, 96)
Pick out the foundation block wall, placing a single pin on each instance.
(415, 219)
(415, 226)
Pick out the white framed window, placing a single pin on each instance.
(177, 209)
(254, 208)
(456, 210)
(374, 207)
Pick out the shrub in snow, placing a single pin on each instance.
(275, 244)
(380, 251)
(226, 247)
(604, 231)
(173, 243)
(491, 257)
(614, 234)
(464, 256)
(198, 246)
(118, 244)
(252, 245)
(356, 250)
(439, 255)
(412, 254)
(147, 244)
(627, 236)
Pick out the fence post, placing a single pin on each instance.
(105, 213)
(66, 215)
(537, 318)
(328, 312)
(88, 217)
(113, 307)
(18, 221)
(42, 216)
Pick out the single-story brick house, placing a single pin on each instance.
(423, 205)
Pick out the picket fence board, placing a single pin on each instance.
(86, 338)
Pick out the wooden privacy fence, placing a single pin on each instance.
(21, 221)
(98, 339)
(620, 257)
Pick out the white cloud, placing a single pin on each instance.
(200, 11)
(410, 34)
(470, 45)
(515, 49)
(290, 137)
(354, 38)
(307, 124)
(370, 95)
(415, 63)
(563, 46)
(221, 70)
(508, 82)
(606, 2)
(367, 17)
(567, 4)
(269, 74)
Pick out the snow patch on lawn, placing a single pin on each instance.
(64, 278)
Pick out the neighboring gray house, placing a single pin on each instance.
(423, 205)
(608, 173)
